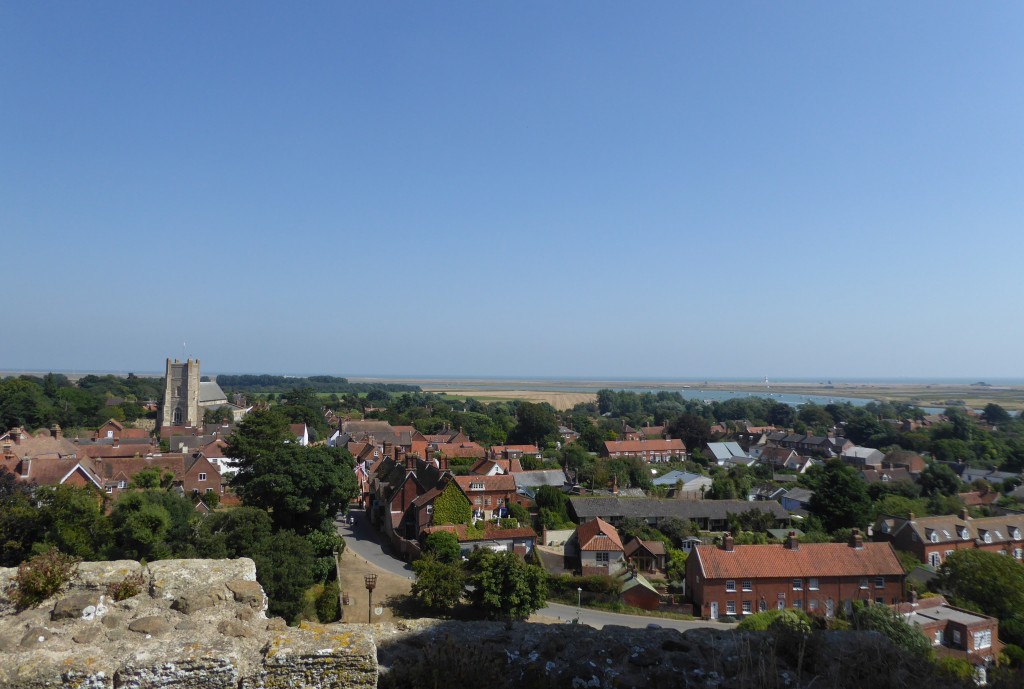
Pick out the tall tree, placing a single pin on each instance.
(535, 423)
(505, 587)
(840, 497)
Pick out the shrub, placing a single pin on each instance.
(42, 576)
(955, 668)
(1014, 655)
(328, 608)
(762, 621)
(128, 587)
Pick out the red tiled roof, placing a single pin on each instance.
(809, 560)
(598, 534)
(525, 449)
(297, 429)
(498, 482)
(653, 445)
(468, 449)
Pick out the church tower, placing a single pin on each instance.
(181, 394)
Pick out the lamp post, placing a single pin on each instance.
(371, 583)
(579, 603)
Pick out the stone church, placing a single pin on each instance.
(186, 397)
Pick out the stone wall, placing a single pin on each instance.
(196, 623)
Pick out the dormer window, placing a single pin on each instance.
(476, 486)
(934, 537)
(964, 534)
(987, 537)
(1016, 534)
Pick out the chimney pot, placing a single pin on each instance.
(728, 543)
(856, 540)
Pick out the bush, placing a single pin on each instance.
(128, 587)
(328, 608)
(1014, 655)
(955, 668)
(42, 576)
(763, 621)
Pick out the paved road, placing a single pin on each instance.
(600, 618)
(363, 542)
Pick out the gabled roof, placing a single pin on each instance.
(210, 392)
(539, 477)
(653, 445)
(598, 535)
(652, 548)
(725, 451)
(809, 560)
(586, 508)
(498, 482)
(673, 477)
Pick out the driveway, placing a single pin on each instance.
(362, 540)
(600, 618)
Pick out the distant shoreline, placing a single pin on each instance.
(919, 392)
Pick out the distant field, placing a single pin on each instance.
(558, 400)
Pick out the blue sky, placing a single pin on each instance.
(558, 189)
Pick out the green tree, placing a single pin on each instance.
(939, 479)
(301, 487)
(504, 587)
(285, 573)
(21, 524)
(990, 582)
(535, 423)
(840, 497)
(995, 414)
(675, 564)
(443, 546)
(693, 430)
(73, 521)
(439, 585)
(882, 618)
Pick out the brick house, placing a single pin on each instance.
(954, 631)
(600, 548)
(114, 429)
(933, 539)
(487, 494)
(818, 578)
(647, 450)
(509, 452)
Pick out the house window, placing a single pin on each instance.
(202, 476)
(948, 553)
(602, 558)
(476, 486)
(956, 637)
(812, 583)
(122, 484)
(487, 502)
(798, 604)
(798, 584)
(110, 489)
(934, 559)
(1018, 553)
(880, 600)
(730, 585)
(879, 582)
(747, 607)
(730, 607)
(762, 605)
(476, 501)
(747, 586)
(983, 639)
(937, 640)
(209, 490)
(813, 605)
(864, 582)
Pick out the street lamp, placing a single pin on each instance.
(371, 583)
(579, 602)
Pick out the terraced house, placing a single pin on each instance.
(647, 450)
(933, 539)
(818, 578)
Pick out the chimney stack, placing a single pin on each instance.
(55, 432)
(16, 435)
(792, 542)
(964, 515)
(728, 544)
(856, 540)
(910, 516)
(117, 442)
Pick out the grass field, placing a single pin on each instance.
(558, 400)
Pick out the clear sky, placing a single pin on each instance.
(554, 189)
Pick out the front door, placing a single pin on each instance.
(714, 611)
(780, 602)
